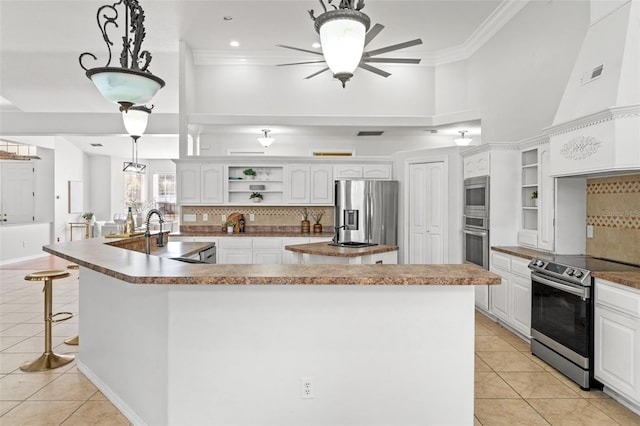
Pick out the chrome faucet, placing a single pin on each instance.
(336, 233)
(147, 233)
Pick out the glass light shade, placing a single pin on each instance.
(462, 141)
(342, 44)
(135, 120)
(124, 86)
(266, 141)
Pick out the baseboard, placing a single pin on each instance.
(22, 259)
(622, 400)
(124, 408)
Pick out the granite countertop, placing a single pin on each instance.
(138, 268)
(324, 249)
(627, 278)
(274, 234)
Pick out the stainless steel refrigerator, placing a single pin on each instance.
(368, 211)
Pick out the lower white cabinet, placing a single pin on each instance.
(260, 250)
(510, 301)
(617, 339)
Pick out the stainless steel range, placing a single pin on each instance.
(562, 313)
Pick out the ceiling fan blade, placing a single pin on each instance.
(297, 48)
(374, 70)
(393, 60)
(316, 73)
(300, 63)
(394, 47)
(372, 33)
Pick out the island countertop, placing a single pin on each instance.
(324, 249)
(101, 255)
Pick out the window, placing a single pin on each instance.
(164, 194)
(134, 194)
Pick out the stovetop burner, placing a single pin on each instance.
(592, 264)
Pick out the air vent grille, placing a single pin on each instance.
(370, 133)
(96, 144)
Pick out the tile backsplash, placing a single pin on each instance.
(265, 216)
(613, 209)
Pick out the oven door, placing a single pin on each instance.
(561, 312)
(476, 196)
(475, 247)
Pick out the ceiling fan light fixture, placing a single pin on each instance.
(342, 36)
(462, 141)
(265, 140)
(131, 83)
(136, 119)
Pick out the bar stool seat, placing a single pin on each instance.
(75, 340)
(48, 360)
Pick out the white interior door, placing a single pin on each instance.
(426, 213)
(17, 192)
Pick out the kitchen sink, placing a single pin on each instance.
(353, 244)
(187, 260)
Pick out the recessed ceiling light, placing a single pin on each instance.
(316, 45)
(228, 18)
(234, 43)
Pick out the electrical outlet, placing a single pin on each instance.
(205, 217)
(589, 231)
(252, 217)
(307, 390)
(223, 217)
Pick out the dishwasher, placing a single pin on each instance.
(208, 255)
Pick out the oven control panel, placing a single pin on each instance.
(569, 273)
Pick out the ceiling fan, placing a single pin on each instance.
(344, 33)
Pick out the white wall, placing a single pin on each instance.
(270, 90)
(517, 79)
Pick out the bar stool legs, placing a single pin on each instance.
(48, 360)
(75, 340)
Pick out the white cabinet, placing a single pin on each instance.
(362, 171)
(617, 338)
(235, 250)
(267, 251)
(309, 184)
(510, 301)
(537, 199)
(476, 165)
(199, 183)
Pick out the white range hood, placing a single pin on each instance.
(597, 124)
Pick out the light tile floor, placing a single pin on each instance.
(512, 387)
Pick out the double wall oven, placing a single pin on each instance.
(475, 243)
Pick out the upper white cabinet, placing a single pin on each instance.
(537, 199)
(476, 165)
(199, 183)
(362, 171)
(617, 338)
(309, 184)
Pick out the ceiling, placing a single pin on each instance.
(41, 41)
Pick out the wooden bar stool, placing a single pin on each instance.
(48, 360)
(75, 340)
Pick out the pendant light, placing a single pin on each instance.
(131, 83)
(342, 36)
(135, 121)
(462, 141)
(266, 140)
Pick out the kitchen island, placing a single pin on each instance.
(175, 343)
(328, 253)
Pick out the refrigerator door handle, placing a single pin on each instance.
(369, 217)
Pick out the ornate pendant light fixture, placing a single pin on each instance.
(462, 141)
(342, 35)
(266, 140)
(131, 83)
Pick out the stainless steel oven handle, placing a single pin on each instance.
(584, 293)
(476, 233)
